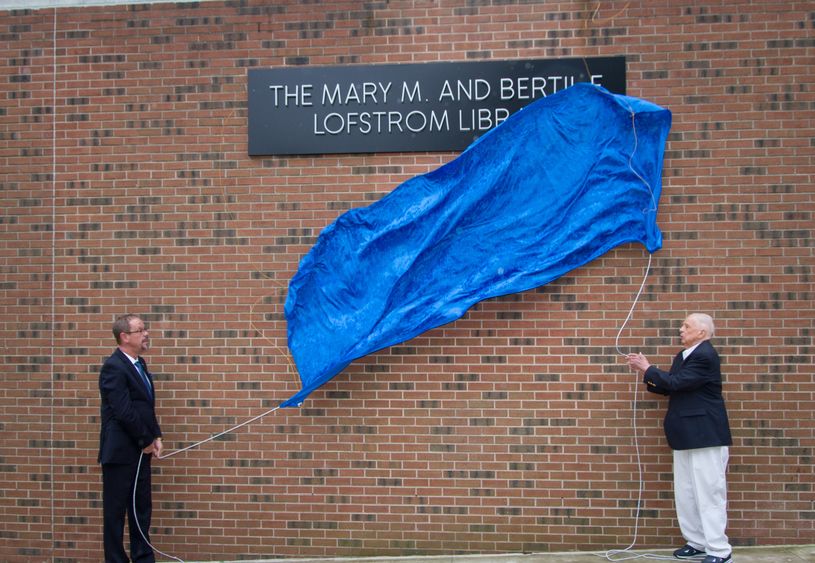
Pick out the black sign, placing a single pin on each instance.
(404, 108)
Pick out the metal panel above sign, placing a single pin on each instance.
(404, 107)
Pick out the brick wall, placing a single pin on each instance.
(126, 186)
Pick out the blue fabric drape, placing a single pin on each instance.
(553, 187)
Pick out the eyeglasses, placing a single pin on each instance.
(139, 331)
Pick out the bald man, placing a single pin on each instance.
(698, 431)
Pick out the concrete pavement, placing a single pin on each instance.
(773, 554)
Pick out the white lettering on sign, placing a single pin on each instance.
(411, 95)
(367, 92)
(392, 107)
(366, 122)
(472, 89)
(481, 119)
(298, 95)
(523, 88)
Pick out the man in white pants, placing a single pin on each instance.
(698, 431)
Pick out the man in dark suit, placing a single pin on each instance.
(698, 431)
(130, 432)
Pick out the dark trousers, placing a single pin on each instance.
(117, 500)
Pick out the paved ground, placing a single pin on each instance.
(778, 554)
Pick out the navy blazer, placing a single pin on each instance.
(696, 416)
(128, 412)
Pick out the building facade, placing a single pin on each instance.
(127, 186)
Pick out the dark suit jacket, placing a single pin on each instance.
(696, 416)
(128, 411)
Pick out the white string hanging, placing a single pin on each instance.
(612, 554)
(626, 553)
(176, 452)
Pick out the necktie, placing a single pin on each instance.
(144, 378)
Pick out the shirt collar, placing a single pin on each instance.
(131, 358)
(687, 352)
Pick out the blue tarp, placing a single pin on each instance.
(553, 187)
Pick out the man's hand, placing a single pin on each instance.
(157, 446)
(638, 362)
(154, 448)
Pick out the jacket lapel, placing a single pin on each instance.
(134, 373)
(677, 363)
(697, 349)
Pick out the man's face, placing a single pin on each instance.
(691, 333)
(136, 341)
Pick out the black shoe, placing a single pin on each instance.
(726, 559)
(688, 552)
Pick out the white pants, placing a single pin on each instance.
(700, 492)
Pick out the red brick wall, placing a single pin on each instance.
(126, 186)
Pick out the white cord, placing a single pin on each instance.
(610, 554)
(613, 554)
(136, 515)
(626, 553)
(218, 435)
(633, 306)
(176, 452)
